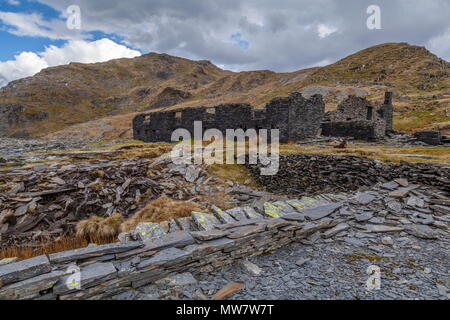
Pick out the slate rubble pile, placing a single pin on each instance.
(306, 174)
(160, 255)
(46, 201)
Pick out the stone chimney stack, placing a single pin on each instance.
(388, 111)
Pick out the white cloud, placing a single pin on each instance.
(285, 35)
(14, 2)
(28, 63)
(23, 65)
(324, 31)
(34, 25)
(440, 45)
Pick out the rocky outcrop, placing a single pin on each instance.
(169, 97)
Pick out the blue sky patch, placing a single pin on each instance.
(237, 40)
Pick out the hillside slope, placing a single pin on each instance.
(57, 99)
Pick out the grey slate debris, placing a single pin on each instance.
(212, 245)
(421, 231)
(390, 185)
(365, 198)
(182, 279)
(322, 211)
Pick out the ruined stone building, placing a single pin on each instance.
(297, 118)
(357, 118)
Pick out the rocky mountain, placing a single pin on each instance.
(101, 99)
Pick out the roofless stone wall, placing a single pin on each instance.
(296, 118)
(357, 118)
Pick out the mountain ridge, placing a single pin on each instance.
(63, 97)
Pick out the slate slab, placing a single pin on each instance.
(166, 256)
(23, 270)
(322, 211)
(107, 289)
(414, 201)
(382, 228)
(246, 231)
(176, 239)
(395, 206)
(213, 245)
(310, 228)
(298, 205)
(94, 251)
(204, 221)
(277, 223)
(239, 224)
(335, 230)
(237, 213)
(148, 230)
(222, 215)
(192, 174)
(294, 217)
(209, 235)
(365, 198)
(366, 216)
(90, 276)
(184, 223)
(277, 209)
(251, 213)
(402, 182)
(390, 185)
(403, 192)
(30, 288)
(6, 261)
(178, 280)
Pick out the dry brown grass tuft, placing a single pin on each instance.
(233, 172)
(98, 227)
(219, 199)
(60, 245)
(145, 151)
(159, 210)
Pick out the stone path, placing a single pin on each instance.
(411, 269)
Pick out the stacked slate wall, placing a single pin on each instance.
(108, 270)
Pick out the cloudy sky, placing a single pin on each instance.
(279, 35)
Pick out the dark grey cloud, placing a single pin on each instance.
(283, 34)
